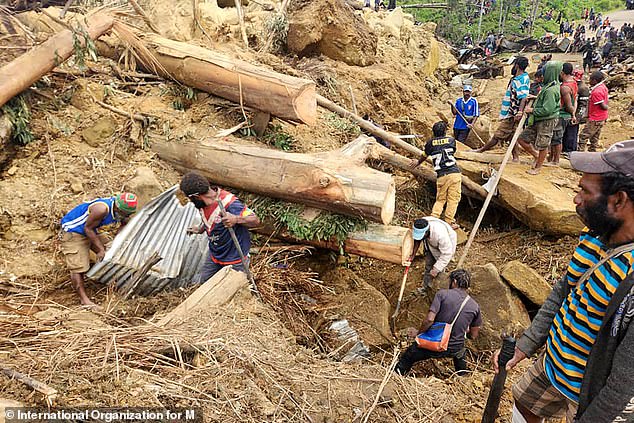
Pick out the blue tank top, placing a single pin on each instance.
(75, 220)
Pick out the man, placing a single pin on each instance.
(441, 150)
(490, 44)
(444, 308)
(466, 106)
(581, 114)
(537, 84)
(543, 119)
(80, 235)
(586, 371)
(440, 242)
(607, 48)
(588, 54)
(222, 250)
(513, 104)
(567, 109)
(597, 112)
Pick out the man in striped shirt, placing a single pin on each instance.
(513, 104)
(587, 370)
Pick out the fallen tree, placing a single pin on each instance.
(383, 242)
(18, 75)
(253, 86)
(338, 181)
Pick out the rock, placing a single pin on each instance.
(212, 16)
(12, 170)
(85, 93)
(462, 236)
(483, 128)
(544, 202)
(7, 403)
(77, 187)
(367, 309)
(331, 28)
(501, 309)
(174, 19)
(100, 132)
(526, 280)
(144, 184)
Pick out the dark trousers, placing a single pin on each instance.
(430, 260)
(414, 354)
(569, 141)
(210, 268)
(461, 134)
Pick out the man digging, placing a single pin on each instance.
(79, 235)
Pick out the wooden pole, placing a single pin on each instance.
(480, 21)
(487, 201)
(243, 30)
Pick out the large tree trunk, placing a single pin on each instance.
(384, 242)
(18, 75)
(281, 95)
(338, 181)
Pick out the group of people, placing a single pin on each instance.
(80, 234)
(561, 102)
(581, 335)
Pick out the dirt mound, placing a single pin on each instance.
(330, 27)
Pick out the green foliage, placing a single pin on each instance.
(277, 28)
(327, 226)
(276, 137)
(462, 17)
(343, 127)
(83, 47)
(183, 96)
(18, 112)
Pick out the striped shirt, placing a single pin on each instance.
(575, 328)
(516, 90)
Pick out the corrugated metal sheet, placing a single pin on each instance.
(161, 227)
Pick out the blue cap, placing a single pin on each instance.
(467, 88)
(421, 226)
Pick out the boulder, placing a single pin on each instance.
(366, 308)
(483, 129)
(173, 18)
(331, 28)
(100, 132)
(145, 185)
(526, 280)
(213, 16)
(501, 309)
(544, 202)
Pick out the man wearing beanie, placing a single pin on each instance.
(440, 242)
(79, 234)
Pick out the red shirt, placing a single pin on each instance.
(598, 95)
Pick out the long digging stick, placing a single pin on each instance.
(245, 263)
(465, 119)
(400, 294)
(491, 193)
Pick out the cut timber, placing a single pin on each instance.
(216, 292)
(18, 75)
(383, 242)
(49, 393)
(338, 181)
(262, 89)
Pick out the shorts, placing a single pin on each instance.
(540, 133)
(461, 134)
(560, 129)
(535, 392)
(76, 250)
(505, 129)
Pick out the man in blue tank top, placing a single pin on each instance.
(79, 234)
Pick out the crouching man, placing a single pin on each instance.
(222, 250)
(449, 305)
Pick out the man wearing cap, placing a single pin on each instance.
(79, 234)
(466, 107)
(513, 104)
(222, 249)
(597, 113)
(440, 242)
(586, 371)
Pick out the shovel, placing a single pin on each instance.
(400, 295)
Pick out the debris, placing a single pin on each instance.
(331, 28)
(215, 292)
(99, 133)
(348, 335)
(17, 75)
(49, 393)
(527, 281)
(338, 180)
(144, 185)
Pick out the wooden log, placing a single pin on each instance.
(215, 292)
(18, 75)
(338, 181)
(241, 82)
(369, 126)
(49, 393)
(425, 6)
(389, 243)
